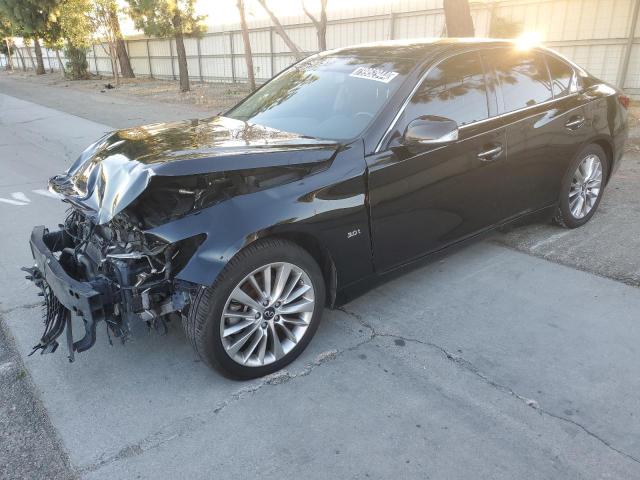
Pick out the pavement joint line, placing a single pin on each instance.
(550, 239)
(22, 184)
(468, 366)
(190, 423)
(25, 122)
(558, 261)
(41, 145)
(25, 306)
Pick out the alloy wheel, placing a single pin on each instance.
(585, 186)
(267, 314)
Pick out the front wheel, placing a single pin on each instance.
(582, 187)
(261, 312)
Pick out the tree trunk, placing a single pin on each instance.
(9, 59)
(64, 72)
(321, 25)
(282, 32)
(457, 16)
(123, 59)
(114, 62)
(322, 31)
(33, 63)
(121, 49)
(36, 47)
(24, 65)
(183, 69)
(248, 57)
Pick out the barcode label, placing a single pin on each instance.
(376, 74)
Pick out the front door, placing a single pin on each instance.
(422, 200)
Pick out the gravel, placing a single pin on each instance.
(29, 444)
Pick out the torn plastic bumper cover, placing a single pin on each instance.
(63, 295)
(125, 290)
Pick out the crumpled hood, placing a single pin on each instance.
(115, 170)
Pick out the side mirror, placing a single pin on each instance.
(430, 130)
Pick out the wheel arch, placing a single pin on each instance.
(319, 252)
(607, 146)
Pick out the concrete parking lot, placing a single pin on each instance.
(517, 357)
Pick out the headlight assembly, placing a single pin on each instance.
(169, 198)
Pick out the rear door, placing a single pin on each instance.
(573, 118)
(544, 123)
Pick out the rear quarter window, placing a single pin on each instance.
(563, 78)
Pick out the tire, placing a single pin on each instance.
(204, 324)
(564, 215)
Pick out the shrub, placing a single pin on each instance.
(77, 65)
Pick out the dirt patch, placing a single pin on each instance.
(212, 96)
(633, 142)
(634, 114)
(634, 111)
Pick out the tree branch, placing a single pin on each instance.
(281, 31)
(315, 21)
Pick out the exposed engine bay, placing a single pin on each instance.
(132, 271)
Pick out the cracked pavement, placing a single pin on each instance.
(491, 363)
(467, 365)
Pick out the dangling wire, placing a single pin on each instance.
(55, 319)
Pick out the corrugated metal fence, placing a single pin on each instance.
(593, 33)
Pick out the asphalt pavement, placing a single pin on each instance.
(490, 364)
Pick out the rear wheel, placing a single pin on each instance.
(582, 187)
(261, 312)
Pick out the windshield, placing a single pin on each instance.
(333, 97)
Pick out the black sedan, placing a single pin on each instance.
(347, 166)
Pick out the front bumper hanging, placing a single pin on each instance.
(64, 295)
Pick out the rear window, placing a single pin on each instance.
(523, 78)
(562, 76)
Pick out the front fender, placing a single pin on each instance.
(328, 205)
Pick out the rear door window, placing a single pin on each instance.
(562, 77)
(522, 77)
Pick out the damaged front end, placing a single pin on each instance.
(113, 272)
(137, 241)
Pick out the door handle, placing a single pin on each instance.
(575, 123)
(490, 154)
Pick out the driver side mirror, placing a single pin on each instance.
(430, 130)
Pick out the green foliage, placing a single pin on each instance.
(34, 18)
(75, 22)
(6, 29)
(6, 32)
(503, 28)
(76, 65)
(165, 18)
(104, 13)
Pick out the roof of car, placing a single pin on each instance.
(416, 49)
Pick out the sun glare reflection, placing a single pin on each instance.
(528, 40)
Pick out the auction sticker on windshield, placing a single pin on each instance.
(377, 74)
